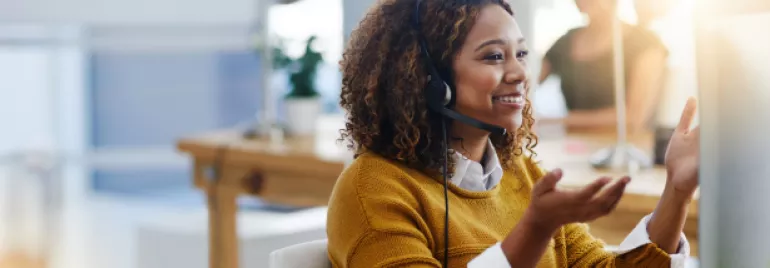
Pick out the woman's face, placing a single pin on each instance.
(490, 70)
(595, 7)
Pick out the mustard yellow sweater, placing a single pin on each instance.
(383, 214)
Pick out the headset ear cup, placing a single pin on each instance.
(447, 94)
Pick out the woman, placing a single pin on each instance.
(387, 208)
(583, 59)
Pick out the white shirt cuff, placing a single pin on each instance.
(639, 237)
(492, 257)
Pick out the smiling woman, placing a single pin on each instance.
(395, 121)
(390, 207)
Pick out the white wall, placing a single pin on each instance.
(143, 24)
(352, 13)
(41, 109)
(27, 120)
(25, 93)
(129, 12)
(172, 38)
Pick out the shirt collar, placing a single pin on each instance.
(475, 176)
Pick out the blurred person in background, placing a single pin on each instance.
(647, 11)
(583, 59)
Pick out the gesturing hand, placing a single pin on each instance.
(682, 153)
(551, 207)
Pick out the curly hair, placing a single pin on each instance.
(383, 78)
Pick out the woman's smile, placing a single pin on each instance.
(511, 100)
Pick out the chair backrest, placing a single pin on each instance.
(306, 255)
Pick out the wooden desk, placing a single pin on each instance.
(19, 260)
(296, 173)
(226, 166)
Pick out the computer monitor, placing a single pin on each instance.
(733, 59)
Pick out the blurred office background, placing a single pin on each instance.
(95, 94)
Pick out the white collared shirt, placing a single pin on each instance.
(474, 176)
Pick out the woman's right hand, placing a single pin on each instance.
(551, 208)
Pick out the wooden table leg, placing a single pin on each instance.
(223, 239)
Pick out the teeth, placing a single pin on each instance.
(510, 99)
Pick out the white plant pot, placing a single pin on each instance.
(301, 115)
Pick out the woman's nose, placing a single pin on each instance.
(516, 73)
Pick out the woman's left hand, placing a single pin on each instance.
(683, 152)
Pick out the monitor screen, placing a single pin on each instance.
(733, 55)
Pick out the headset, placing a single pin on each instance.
(440, 98)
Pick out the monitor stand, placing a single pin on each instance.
(621, 157)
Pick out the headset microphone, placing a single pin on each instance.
(436, 104)
(474, 122)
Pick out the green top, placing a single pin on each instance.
(589, 84)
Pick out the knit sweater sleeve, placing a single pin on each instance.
(374, 220)
(583, 250)
(386, 249)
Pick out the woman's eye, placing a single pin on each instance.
(521, 55)
(494, 57)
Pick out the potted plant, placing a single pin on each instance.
(303, 102)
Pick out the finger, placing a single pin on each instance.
(605, 205)
(548, 182)
(687, 115)
(589, 191)
(612, 205)
(695, 132)
(607, 200)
